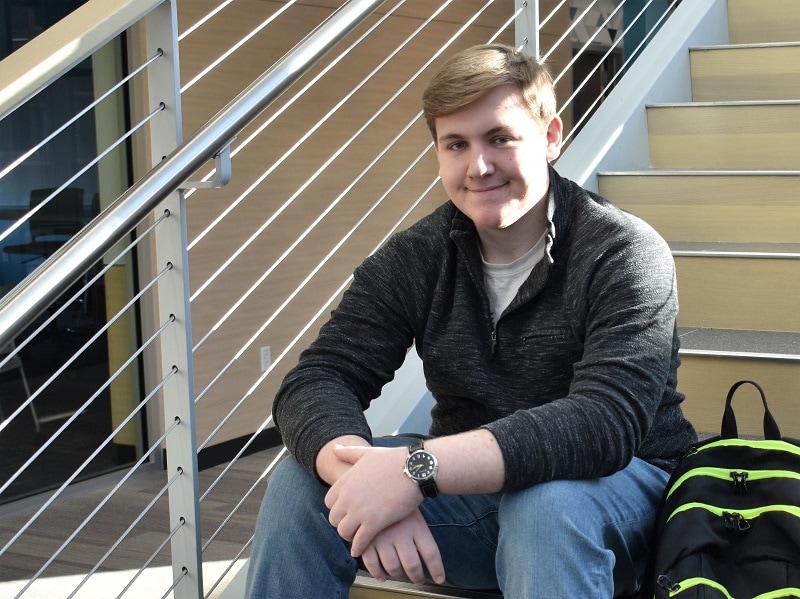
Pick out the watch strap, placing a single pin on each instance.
(429, 488)
(419, 446)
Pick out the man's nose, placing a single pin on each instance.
(480, 164)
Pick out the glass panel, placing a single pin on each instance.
(46, 182)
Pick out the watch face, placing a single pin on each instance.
(421, 465)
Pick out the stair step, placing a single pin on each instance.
(756, 21)
(786, 251)
(725, 206)
(368, 588)
(746, 72)
(725, 135)
(713, 359)
(730, 286)
(765, 345)
(738, 285)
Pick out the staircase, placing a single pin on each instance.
(724, 190)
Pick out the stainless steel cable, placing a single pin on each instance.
(61, 489)
(88, 519)
(241, 42)
(16, 225)
(135, 521)
(83, 289)
(27, 154)
(78, 412)
(321, 169)
(77, 354)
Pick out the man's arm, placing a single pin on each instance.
(375, 492)
(470, 463)
(375, 504)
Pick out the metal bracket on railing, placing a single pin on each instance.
(222, 168)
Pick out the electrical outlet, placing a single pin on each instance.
(266, 358)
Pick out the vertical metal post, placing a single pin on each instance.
(526, 27)
(173, 303)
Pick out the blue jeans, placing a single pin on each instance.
(586, 538)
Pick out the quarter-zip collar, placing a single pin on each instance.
(465, 236)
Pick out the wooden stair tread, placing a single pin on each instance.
(735, 250)
(739, 343)
(700, 172)
(724, 103)
(367, 583)
(744, 46)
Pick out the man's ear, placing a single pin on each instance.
(555, 130)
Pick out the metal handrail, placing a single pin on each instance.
(40, 289)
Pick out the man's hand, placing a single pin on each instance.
(329, 466)
(400, 550)
(372, 495)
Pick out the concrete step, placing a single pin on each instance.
(738, 286)
(746, 72)
(723, 206)
(725, 135)
(714, 359)
(759, 21)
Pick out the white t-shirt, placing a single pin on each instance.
(504, 280)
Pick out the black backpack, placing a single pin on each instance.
(729, 525)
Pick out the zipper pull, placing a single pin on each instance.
(734, 521)
(739, 482)
(494, 341)
(665, 583)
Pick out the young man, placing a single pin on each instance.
(545, 320)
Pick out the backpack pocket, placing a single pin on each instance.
(732, 553)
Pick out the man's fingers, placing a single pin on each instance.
(330, 498)
(361, 539)
(411, 564)
(348, 453)
(428, 550)
(391, 562)
(373, 564)
(347, 529)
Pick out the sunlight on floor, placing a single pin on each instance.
(152, 584)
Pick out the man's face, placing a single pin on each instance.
(493, 158)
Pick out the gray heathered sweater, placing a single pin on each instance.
(577, 377)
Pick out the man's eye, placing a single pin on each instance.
(457, 145)
(503, 139)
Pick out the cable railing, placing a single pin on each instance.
(270, 255)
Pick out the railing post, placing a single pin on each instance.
(173, 304)
(526, 27)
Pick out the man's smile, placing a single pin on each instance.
(486, 188)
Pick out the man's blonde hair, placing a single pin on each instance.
(473, 72)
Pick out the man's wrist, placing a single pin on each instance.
(421, 467)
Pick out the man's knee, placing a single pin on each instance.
(550, 502)
(292, 488)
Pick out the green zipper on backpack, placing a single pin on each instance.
(768, 444)
(725, 474)
(690, 583)
(747, 514)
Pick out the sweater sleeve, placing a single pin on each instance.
(357, 351)
(622, 294)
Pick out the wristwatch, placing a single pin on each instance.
(421, 467)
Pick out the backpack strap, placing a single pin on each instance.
(729, 430)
